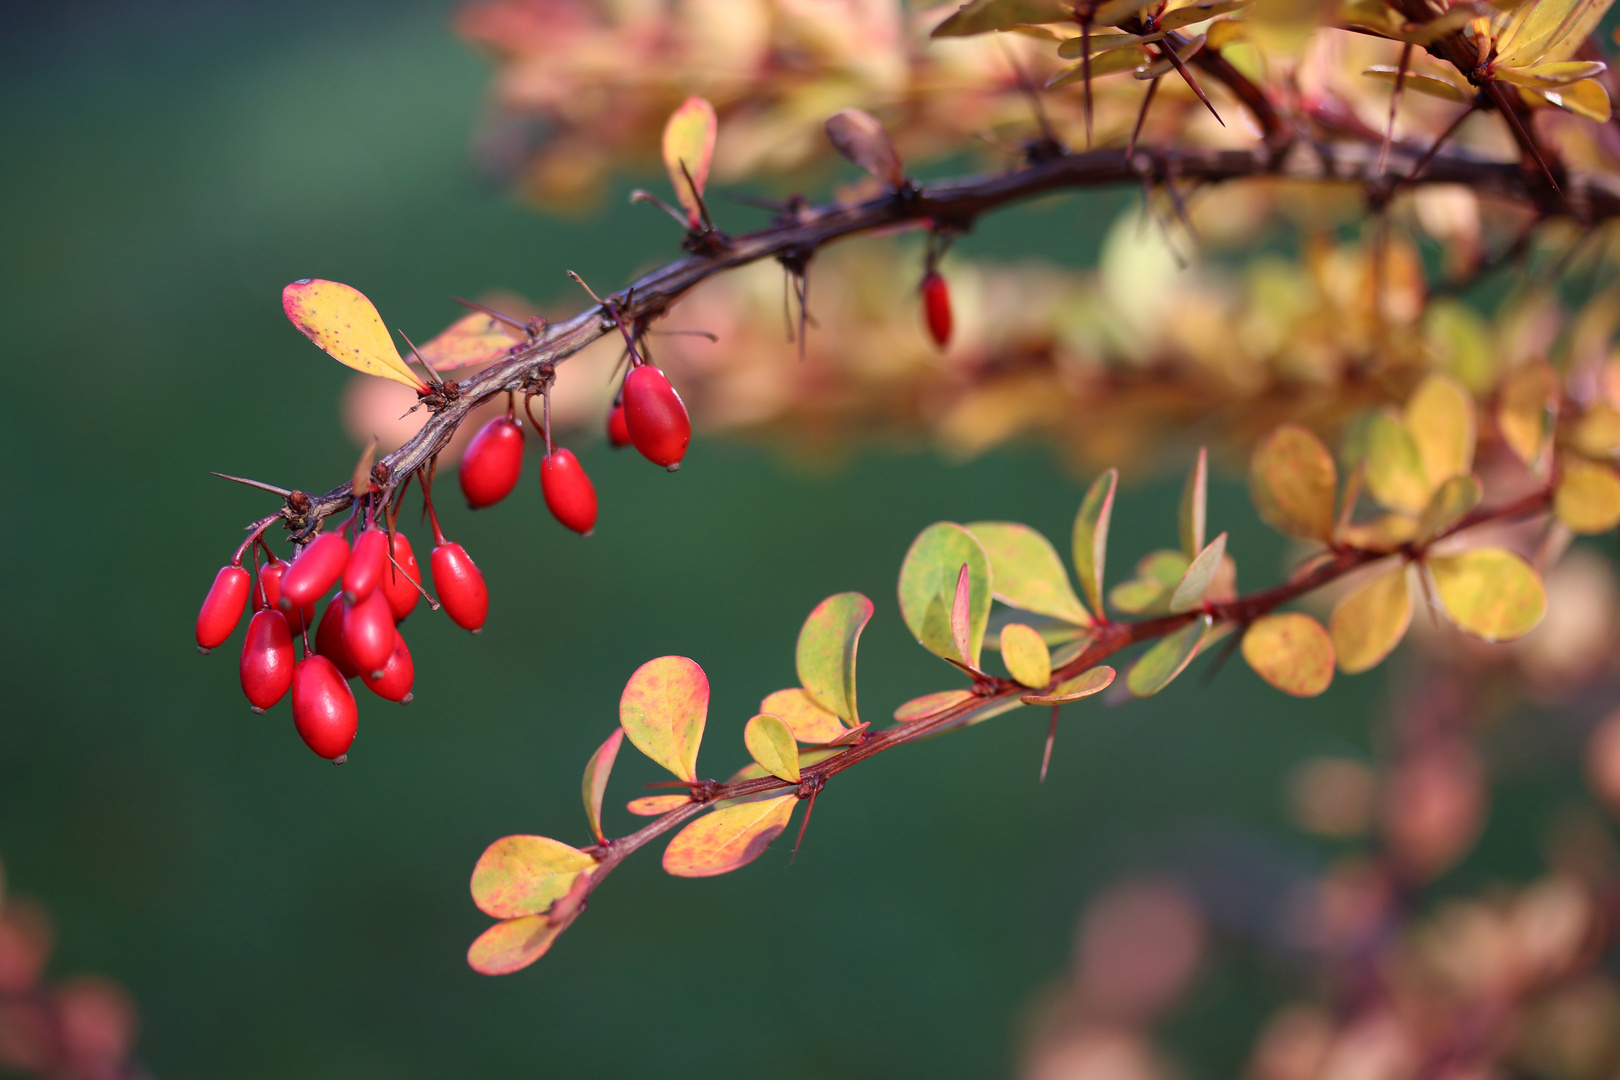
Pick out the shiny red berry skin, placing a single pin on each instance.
(394, 683)
(368, 633)
(267, 660)
(329, 638)
(570, 496)
(460, 586)
(618, 433)
(937, 307)
(270, 580)
(312, 575)
(367, 560)
(655, 417)
(399, 583)
(492, 463)
(222, 607)
(323, 708)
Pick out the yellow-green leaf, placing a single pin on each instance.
(343, 322)
(1074, 48)
(1184, 53)
(1440, 417)
(689, 139)
(1091, 536)
(663, 709)
(1190, 590)
(1026, 571)
(1525, 408)
(1139, 595)
(1091, 681)
(512, 945)
(919, 708)
(523, 875)
(826, 652)
(809, 722)
(728, 838)
(1588, 497)
(1549, 76)
(928, 580)
(594, 785)
(1290, 651)
(984, 16)
(1025, 655)
(1176, 18)
(1114, 12)
(1292, 480)
(1109, 63)
(1168, 658)
(771, 745)
(1490, 593)
(1547, 31)
(1368, 623)
(1451, 503)
(1195, 505)
(1395, 474)
(1423, 84)
(656, 805)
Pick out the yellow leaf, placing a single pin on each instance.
(1488, 592)
(689, 139)
(1451, 503)
(1290, 651)
(929, 704)
(771, 744)
(1388, 531)
(726, 839)
(1025, 655)
(655, 805)
(1367, 624)
(1586, 98)
(1588, 497)
(1395, 474)
(1549, 76)
(512, 945)
(1440, 416)
(342, 321)
(523, 875)
(1525, 408)
(1292, 480)
(1091, 681)
(663, 709)
(809, 722)
(1598, 432)
(1177, 17)
(1546, 31)
(1423, 84)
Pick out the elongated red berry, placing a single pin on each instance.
(937, 307)
(655, 418)
(312, 575)
(368, 633)
(367, 560)
(401, 578)
(329, 638)
(222, 607)
(394, 682)
(493, 463)
(270, 583)
(267, 660)
(570, 496)
(323, 708)
(618, 433)
(460, 586)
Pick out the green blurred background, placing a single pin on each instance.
(164, 169)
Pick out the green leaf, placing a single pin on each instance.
(663, 710)
(1027, 572)
(771, 745)
(1025, 655)
(1164, 566)
(1139, 596)
(919, 708)
(826, 652)
(1168, 658)
(1292, 652)
(594, 786)
(984, 16)
(1490, 593)
(809, 722)
(1395, 474)
(1195, 505)
(1189, 592)
(1091, 681)
(1368, 623)
(1450, 504)
(1588, 497)
(928, 579)
(1292, 480)
(524, 875)
(728, 838)
(1091, 536)
(512, 945)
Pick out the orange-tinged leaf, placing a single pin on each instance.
(663, 710)
(1195, 506)
(1292, 479)
(1168, 657)
(689, 138)
(1189, 592)
(512, 945)
(1588, 497)
(343, 322)
(523, 875)
(1525, 409)
(1451, 503)
(928, 581)
(1367, 624)
(1597, 434)
(809, 722)
(728, 838)
(771, 745)
(1440, 417)
(655, 805)
(475, 338)
(1091, 681)
(1091, 536)
(826, 652)
(1027, 573)
(1395, 474)
(862, 139)
(1025, 654)
(594, 785)
(1290, 651)
(1490, 593)
(929, 704)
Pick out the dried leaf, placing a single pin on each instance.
(1490, 593)
(1189, 592)
(728, 838)
(663, 710)
(1290, 651)
(1292, 480)
(1195, 505)
(1091, 535)
(1367, 624)
(928, 580)
(862, 139)
(689, 137)
(343, 322)
(524, 875)
(1588, 497)
(826, 652)
(771, 745)
(1167, 658)
(655, 805)
(594, 786)
(512, 945)
(920, 707)
(1525, 408)
(809, 722)
(1440, 417)
(1025, 655)
(1091, 681)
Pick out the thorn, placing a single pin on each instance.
(1525, 139)
(1141, 117)
(1434, 149)
(1394, 104)
(640, 196)
(805, 824)
(260, 484)
(515, 323)
(1181, 69)
(587, 288)
(703, 207)
(434, 376)
(1051, 737)
(1222, 657)
(686, 333)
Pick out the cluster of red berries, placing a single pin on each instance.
(375, 583)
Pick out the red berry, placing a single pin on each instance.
(366, 564)
(323, 708)
(329, 638)
(568, 491)
(937, 307)
(493, 463)
(460, 586)
(368, 633)
(222, 607)
(655, 418)
(317, 568)
(394, 683)
(270, 582)
(267, 660)
(618, 433)
(399, 583)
